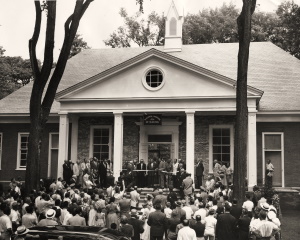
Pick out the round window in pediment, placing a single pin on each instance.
(154, 79)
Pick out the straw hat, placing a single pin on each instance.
(21, 230)
(50, 214)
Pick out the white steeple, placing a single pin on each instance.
(173, 34)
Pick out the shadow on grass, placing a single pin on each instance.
(290, 225)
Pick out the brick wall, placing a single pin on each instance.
(131, 138)
(84, 129)
(10, 149)
(291, 150)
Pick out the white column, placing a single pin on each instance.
(118, 144)
(74, 138)
(63, 142)
(190, 142)
(252, 157)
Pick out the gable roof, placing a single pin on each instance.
(271, 70)
(148, 55)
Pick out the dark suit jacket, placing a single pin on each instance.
(160, 198)
(199, 170)
(137, 226)
(139, 166)
(158, 222)
(226, 227)
(236, 211)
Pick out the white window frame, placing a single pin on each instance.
(273, 150)
(1, 136)
(153, 68)
(49, 151)
(211, 127)
(19, 150)
(109, 127)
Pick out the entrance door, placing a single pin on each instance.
(159, 150)
(273, 150)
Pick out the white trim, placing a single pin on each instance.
(211, 127)
(19, 150)
(153, 68)
(49, 152)
(109, 127)
(270, 150)
(1, 135)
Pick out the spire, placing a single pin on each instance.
(173, 33)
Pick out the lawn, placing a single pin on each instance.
(290, 225)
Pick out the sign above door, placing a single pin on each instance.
(152, 119)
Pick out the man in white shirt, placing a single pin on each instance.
(265, 229)
(248, 204)
(135, 197)
(186, 233)
(188, 210)
(5, 222)
(201, 212)
(76, 167)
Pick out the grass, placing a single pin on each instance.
(290, 225)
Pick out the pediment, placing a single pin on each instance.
(181, 80)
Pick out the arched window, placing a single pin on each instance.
(173, 26)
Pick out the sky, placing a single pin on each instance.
(101, 18)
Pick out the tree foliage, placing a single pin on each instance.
(287, 34)
(138, 31)
(78, 45)
(214, 26)
(2, 50)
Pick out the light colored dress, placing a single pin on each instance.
(100, 219)
(146, 234)
(92, 216)
(112, 216)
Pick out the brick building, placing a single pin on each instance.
(171, 101)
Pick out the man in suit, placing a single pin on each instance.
(102, 173)
(187, 185)
(160, 199)
(226, 225)
(158, 223)
(161, 169)
(136, 224)
(236, 210)
(141, 173)
(172, 198)
(199, 173)
(125, 204)
(151, 173)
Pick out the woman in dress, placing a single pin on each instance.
(146, 211)
(229, 174)
(222, 174)
(100, 218)
(112, 217)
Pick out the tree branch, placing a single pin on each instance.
(71, 27)
(33, 41)
(49, 41)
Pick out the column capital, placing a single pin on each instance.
(116, 113)
(190, 112)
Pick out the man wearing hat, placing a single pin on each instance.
(265, 229)
(21, 233)
(136, 224)
(49, 220)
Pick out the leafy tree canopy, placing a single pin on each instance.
(213, 26)
(78, 45)
(138, 31)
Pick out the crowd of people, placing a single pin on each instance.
(211, 213)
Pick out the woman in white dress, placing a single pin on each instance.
(147, 209)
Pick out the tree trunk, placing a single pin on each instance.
(241, 126)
